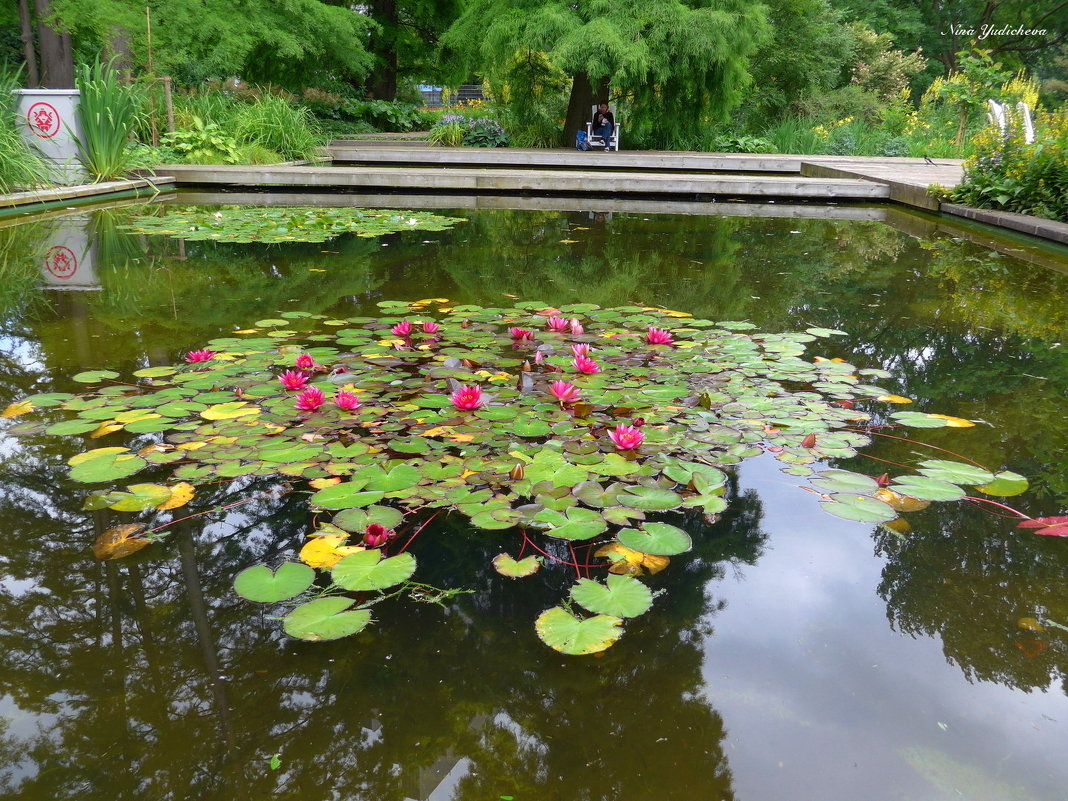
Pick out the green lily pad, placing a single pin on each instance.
(564, 632)
(262, 585)
(844, 481)
(325, 619)
(508, 566)
(367, 570)
(652, 500)
(346, 495)
(656, 539)
(95, 376)
(955, 472)
(1005, 485)
(860, 508)
(620, 596)
(925, 488)
(919, 420)
(107, 467)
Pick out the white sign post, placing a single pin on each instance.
(49, 124)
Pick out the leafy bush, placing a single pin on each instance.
(456, 129)
(796, 135)
(742, 144)
(204, 143)
(1007, 173)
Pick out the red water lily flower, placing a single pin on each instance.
(310, 399)
(467, 398)
(520, 333)
(306, 362)
(293, 379)
(346, 401)
(195, 356)
(658, 336)
(430, 327)
(376, 536)
(581, 349)
(402, 329)
(564, 391)
(559, 324)
(585, 365)
(626, 438)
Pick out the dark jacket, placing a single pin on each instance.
(600, 119)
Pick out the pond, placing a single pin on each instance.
(792, 654)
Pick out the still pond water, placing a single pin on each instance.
(793, 655)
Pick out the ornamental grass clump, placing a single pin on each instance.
(109, 112)
(618, 463)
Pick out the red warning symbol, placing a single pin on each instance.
(43, 120)
(61, 262)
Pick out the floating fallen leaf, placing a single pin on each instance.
(1029, 624)
(104, 429)
(568, 241)
(899, 502)
(15, 409)
(120, 541)
(248, 331)
(893, 399)
(181, 494)
(191, 446)
(627, 561)
(326, 551)
(322, 483)
(954, 422)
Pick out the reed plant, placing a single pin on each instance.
(274, 123)
(20, 166)
(109, 113)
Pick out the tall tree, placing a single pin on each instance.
(57, 59)
(292, 44)
(406, 41)
(677, 64)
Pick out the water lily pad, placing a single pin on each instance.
(928, 489)
(658, 539)
(508, 566)
(367, 570)
(860, 508)
(95, 376)
(620, 596)
(844, 481)
(955, 472)
(919, 420)
(564, 632)
(360, 519)
(262, 585)
(1005, 485)
(345, 496)
(107, 467)
(228, 411)
(658, 500)
(325, 619)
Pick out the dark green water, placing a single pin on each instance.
(793, 655)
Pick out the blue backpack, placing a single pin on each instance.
(580, 141)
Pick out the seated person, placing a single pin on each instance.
(604, 124)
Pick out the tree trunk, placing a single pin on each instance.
(57, 59)
(28, 51)
(580, 105)
(382, 84)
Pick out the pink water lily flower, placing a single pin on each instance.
(658, 336)
(559, 324)
(195, 356)
(305, 362)
(576, 326)
(539, 357)
(376, 536)
(467, 398)
(626, 438)
(430, 327)
(581, 349)
(346, 401)
(585, 365)
(402, 329)
(520, 333)
(310, 399)
(564, 391)
(294, 379)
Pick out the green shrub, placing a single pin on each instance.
(204, 143)
(741, 144)
(796, 135)
(1007, 173)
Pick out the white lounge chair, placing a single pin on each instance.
(597, 141)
